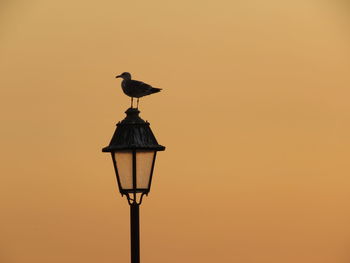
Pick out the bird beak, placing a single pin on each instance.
(119, 76)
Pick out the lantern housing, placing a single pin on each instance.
(133, 148)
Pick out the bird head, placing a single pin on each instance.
(125, 75)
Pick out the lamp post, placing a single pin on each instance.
(133, 148)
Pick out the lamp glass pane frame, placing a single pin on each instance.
(134, 175)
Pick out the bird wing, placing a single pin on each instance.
(140, 86)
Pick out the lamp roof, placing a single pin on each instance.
(133, 133)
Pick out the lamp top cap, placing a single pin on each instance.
(132, 116)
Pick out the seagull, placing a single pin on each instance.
(135, 88)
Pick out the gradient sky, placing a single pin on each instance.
(254, 112)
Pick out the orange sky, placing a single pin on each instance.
(254, 112)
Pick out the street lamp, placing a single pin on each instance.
(134, 148)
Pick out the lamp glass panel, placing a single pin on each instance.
(144, 161)
(124, 166)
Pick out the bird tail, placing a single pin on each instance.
(155, 90)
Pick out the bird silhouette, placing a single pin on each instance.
(135, 88)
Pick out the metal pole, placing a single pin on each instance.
(135, 232)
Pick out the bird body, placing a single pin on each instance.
(135, 88)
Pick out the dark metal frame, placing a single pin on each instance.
(131, 193)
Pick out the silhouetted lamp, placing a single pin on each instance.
(134, 148)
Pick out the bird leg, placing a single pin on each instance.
(137, 105)
(132, 101)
